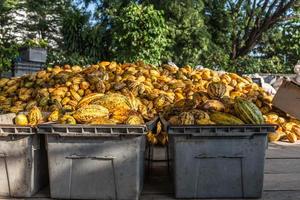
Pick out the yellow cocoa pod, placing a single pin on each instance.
(276, 136)
(204, 122)
(3, 82)
(154, 73)
(58, 92)
(87, 92)
(104, 63)
(11, 82)
(225, 78)
(65, 100)
(16, 109)
(225, 119)
(265, 109)
(235, 94)
(174, 120)
(113, 102)
(67, 119)
(213, 105)
(240, 86)
(2, 98)
(258, 103)
(35, 116)
(75, 87)
(102, 120)
(21, 120)
(296, 121)
(291, 136)
(30, 105)
(135, 120)
(68, 83)
(68, 108)
(84, 85)
(233, 83)
(159, 102)
(280, 120)
(73, 103)
(288, 126)
(41, 74)
(75, 95)
(76, 68)
(151, 138)
(87, 113)
(24, 97)
(12, 89)
(19, 103)
(54, 116)
(77, 80)
(206, 75)
(44, 101)
(81, 92)
(272, 117)
(179, 96)
(89, 98)
(296, 130)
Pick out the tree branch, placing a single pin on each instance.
(268, 21)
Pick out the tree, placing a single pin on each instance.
(44, 19)
(139, 33)
(238, 25)
(6, 20)
(189, 39)
(8, 47)
(282, 42)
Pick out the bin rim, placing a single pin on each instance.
(7, 129)
(88, 130)
(244, 130)
(11, 129)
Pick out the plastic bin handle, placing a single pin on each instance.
(201, 156)
(90, 157)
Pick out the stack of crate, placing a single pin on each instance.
(30, 61)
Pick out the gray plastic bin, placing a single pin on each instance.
(95, 162)
(34, 54)
(23, 162)
(218, 161)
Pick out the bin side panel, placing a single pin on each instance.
(16, 165)
(95, 168)
(83, 184)
(253, 167)
(22, 166)
(4, 182)
(203, 171)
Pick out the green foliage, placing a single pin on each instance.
(61, 58)
(250, 65)
(189, 39)
(80, 37)
(8, 48)
(7, 55)
(282, 42)
(139, 33)
(43, 19)
(39, 43)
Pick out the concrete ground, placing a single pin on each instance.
(281, 180)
